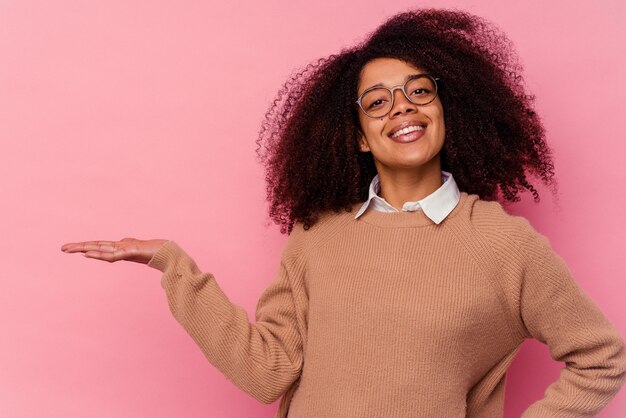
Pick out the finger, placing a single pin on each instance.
(107, 256)
(74, 245)
(89, 246)
(69, 245)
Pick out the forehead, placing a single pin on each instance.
(386, 71)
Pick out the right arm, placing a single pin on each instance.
(263, 359)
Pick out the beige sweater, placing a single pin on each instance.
(393, 316)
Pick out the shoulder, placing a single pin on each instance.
(491, 218)
(507, 233)
(328, 225)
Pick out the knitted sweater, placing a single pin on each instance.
(391, 315)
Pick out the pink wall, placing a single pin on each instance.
(123, 118)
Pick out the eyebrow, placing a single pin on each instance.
(407, 78)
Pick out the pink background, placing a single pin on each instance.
(138, 118)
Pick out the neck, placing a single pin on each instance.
(400, 186)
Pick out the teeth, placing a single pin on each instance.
(407, 130)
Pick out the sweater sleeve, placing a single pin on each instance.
(555, 311)
(263, 359)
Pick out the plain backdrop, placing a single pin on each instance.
(139, 118)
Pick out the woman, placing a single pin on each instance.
(405, 289)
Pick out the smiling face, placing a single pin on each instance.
(410, 137)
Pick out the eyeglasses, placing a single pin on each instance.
(377, 102)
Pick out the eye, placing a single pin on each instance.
(420, 88)
(375, 104)
(419, 91)
(375, 99)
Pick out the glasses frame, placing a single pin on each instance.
(401, 87)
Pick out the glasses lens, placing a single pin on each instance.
(377, 102)
(421, 90)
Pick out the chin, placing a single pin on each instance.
(416, 163)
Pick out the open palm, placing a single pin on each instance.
(127, 249)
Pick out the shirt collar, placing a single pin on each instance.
(436, 206)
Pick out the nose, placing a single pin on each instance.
(401, 104)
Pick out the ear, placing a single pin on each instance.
(363, 145)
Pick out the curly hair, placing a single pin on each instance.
(308, 141)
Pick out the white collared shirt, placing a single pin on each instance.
(436, 205)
